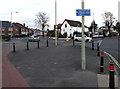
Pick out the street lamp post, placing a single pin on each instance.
(119, 11)
(55, 22)
(93, 26)
(11, 24)
(83, 60)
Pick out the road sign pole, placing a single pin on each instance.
(83, 62)
(83, 12)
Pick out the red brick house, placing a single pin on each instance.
(5, 28)
(17, 29)
(20, 29)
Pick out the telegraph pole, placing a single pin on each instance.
(83, 62)
(119, 11)
(11, 26)
(11, 23)
(55, 22)
(93, 26)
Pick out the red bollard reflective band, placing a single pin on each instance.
(111, 76)
(102, 53)
(111, 68)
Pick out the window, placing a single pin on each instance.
(16, 29)
(3, 29)
(78, 35)
(65, 25)
(10, 29)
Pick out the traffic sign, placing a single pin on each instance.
(82, 12)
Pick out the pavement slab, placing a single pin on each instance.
(103, 80)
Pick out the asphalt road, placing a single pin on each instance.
(57, 59)
(55, 66)
(110, 45)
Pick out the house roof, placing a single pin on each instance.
(18, 25)
(59, 26)
(5, 24)
(74, 23)
(103, 27)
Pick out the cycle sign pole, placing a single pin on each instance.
(83, 12)
(83, 62)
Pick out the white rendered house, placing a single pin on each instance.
(71, 26)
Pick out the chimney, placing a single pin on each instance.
(24, 24)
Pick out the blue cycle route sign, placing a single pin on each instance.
(82, 12)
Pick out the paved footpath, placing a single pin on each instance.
(10, 76)
(52, 67)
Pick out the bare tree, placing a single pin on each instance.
(42, 20)
(93, 27)
(108, 20)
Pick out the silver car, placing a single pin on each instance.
(34, 38)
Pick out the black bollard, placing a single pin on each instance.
(73, 42)
(47, 43)
(27, 46)
(38, 44)
(92, 45)
(102, 62)
(13, 47)
(111, 76)
(98, 49)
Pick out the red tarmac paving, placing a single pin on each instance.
(10, 76)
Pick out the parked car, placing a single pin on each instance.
(6, 37)
(78, 37)
(97, 35)
(34, 38)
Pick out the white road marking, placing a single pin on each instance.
(113, 59)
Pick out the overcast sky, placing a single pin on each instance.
(66, 9)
